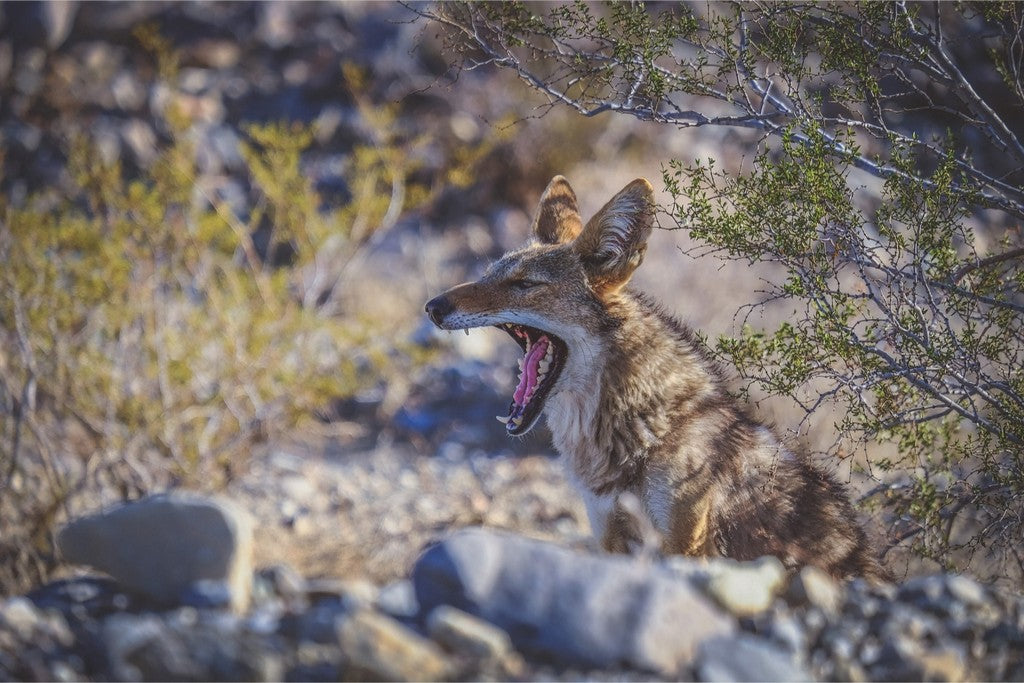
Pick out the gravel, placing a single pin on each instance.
(492, 605)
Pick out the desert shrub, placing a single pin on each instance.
(887, 183)
(147, 339)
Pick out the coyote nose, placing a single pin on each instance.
(437, 308)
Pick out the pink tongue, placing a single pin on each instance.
(528, 380)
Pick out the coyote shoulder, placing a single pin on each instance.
(635, 406)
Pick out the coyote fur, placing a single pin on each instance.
(635, 406)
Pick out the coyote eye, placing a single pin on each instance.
(526, 284)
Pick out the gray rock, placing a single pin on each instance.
(55, 629)
(141, 140)
(465, 634)
(284, 582)
(144, 648)
(570, 608)
(161, 545)
(58, 17)
(28, 71)
(850, 670)
(745, 657)
(787, 631)
(206, 594)
(926, 592)
(398, 599)
(317, 625)
(217, 54)
(377, 647)
(129, 93)
(904, 659)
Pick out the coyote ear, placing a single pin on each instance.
(558, 220)
(614, 241)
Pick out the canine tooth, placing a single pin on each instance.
(501, 419)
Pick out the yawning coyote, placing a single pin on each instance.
(635, 406)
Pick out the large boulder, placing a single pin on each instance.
(169, 547)
(570, 608)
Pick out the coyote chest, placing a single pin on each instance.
(634, 406)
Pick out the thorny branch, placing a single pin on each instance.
(588, 75)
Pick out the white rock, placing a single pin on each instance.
(814, 587)
(20, 615)
(745, 588)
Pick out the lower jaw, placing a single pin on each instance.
(526, 425)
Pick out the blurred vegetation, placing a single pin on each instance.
(887, 182)
(147, 338)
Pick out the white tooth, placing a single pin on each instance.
(502, 420)
(520, 365)
(516, 421)
(543, 366)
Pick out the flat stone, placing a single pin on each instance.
(465, 634)
(570, 608)
(162, 545)
(377, 647)
(744, 657)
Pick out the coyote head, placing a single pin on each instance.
(554, 295)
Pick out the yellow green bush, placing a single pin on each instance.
(146, 340)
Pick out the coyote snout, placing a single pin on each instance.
(635, 406)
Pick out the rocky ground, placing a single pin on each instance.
(480, 605)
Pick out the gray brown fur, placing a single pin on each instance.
(639, 407)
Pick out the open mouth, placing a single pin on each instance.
(542, 363)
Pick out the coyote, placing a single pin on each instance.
(634, 405)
